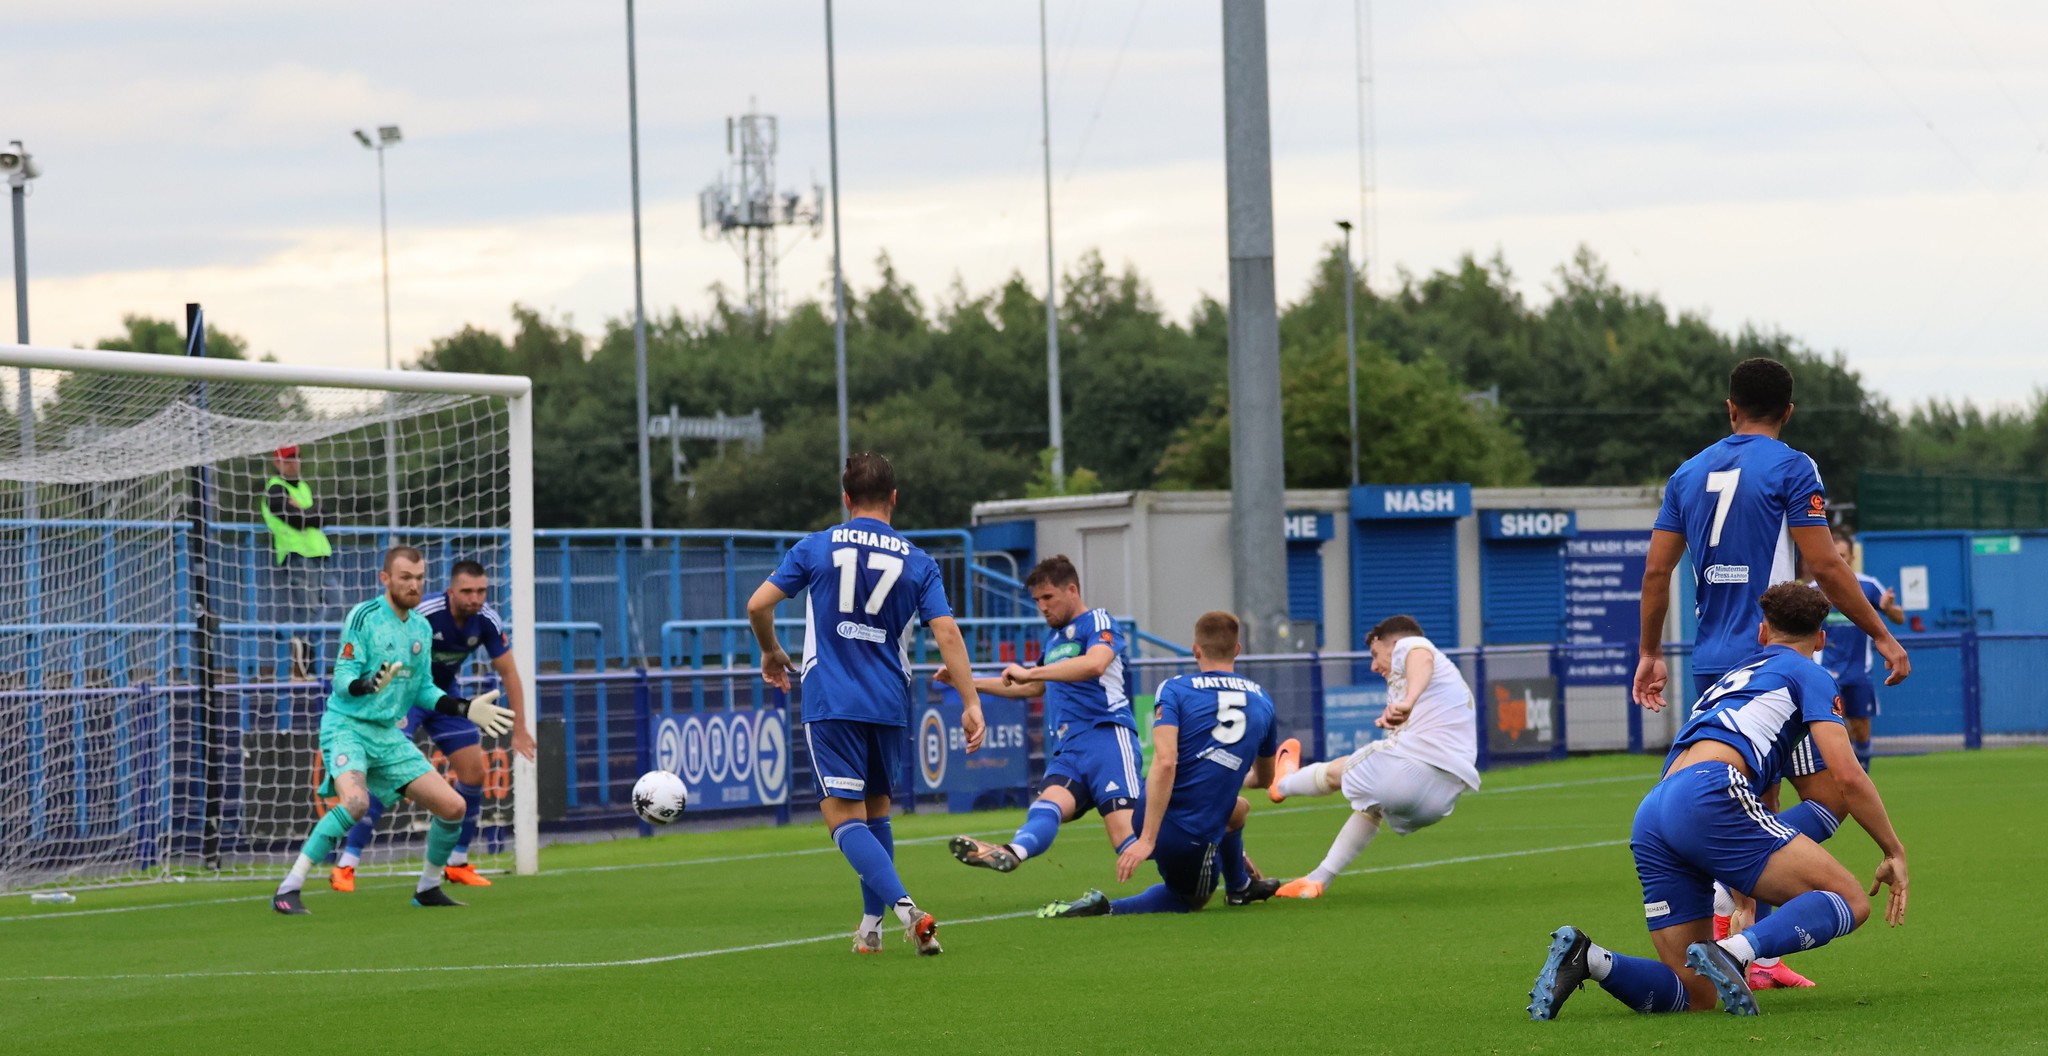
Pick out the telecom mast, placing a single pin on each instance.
(744, 207)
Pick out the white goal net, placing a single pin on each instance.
(172, 586)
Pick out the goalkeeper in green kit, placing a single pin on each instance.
(384, 671)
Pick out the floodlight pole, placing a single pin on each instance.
(1351, 347)
(25, 407)
(390, 428)
(1052, 292)
(838, 267)
(639, 289)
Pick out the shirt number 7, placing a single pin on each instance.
(1722, 483)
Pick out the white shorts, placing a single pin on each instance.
(1407, 795)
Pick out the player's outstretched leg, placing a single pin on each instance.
(1351, 841)
(1286, 762)
(342, 877)
(1092, 904)
(1041, 826)
(332, 827)
(1638, 982)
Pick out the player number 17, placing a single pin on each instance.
(889, 565)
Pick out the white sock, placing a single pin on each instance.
(869, 924)
(1019, 850)
(458, 856)
(1350, 843)
(1599, 962)
(1724, 901)
(907, 912)
(296, 879)
(1767, 962)
(430, 878)
(1739, 948)
(1307, 781)
(349, 859)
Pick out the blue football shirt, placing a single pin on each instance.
(1848, 655)
(865, 588)
(1226, 722)
(1078, 706)
(1761, 709)
(453, 642)
(1735, 503)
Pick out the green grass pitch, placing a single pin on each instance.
(737, 942)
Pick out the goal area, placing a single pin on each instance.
(180, 541)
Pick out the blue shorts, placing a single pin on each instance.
(1187, 865)
(1859, 699)
(1701, 824)
(1100, 766)
(450, 733)
(853, 760)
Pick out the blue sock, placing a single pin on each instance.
(1813, 919)
(1862, 753)
(1235, 876)
(864, 852)
(1811, 820)
(472, 812)
(1645, 985)
(1155, 899)
(1041, 824)
(872, 904)
(365, 830)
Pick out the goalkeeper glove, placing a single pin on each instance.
(372, 684)
(493, 720)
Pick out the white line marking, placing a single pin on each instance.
(687, 955)
(577, 869)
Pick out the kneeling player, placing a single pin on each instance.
(1410, 780)
(1704, 822)
(1208, 727)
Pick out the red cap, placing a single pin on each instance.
(288, 451)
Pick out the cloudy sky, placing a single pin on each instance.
(1865, 174)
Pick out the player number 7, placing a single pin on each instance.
(846, 558)
(1722, 483)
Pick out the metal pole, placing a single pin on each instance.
(24, 396)
(1351, 346)
(390, 427)
(639, 290)
(1052, 291)
(838, 269)
(1257, 457)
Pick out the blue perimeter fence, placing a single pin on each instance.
(734, 740)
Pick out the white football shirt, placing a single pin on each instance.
(1442, 730)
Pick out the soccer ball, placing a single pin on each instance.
(659, 797)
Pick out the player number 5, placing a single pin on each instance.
(1229, 717)
(889, 565)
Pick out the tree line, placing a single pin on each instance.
(1460, 377)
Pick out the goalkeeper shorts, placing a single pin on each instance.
(386, 757)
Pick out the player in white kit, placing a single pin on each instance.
(1413, 777)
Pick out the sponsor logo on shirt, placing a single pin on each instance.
(1221, 757)
(415, 648)
(1727, 573)
(861, 632)
(472, 640)
(1817, 503)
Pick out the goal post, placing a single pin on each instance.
(165, 653)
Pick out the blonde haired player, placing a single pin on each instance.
(1413, 777)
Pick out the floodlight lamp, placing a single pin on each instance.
(363, 139)
(16, 164)
(387, 133)
(1346, 225)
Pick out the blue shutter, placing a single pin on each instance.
(1305, 584)
(1521, 591)
(1405, 566)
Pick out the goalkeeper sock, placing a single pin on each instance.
(1307, 781)
(1351, 841)
(333, 825)
(441, 837)
(472, 813)
(296, 879)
